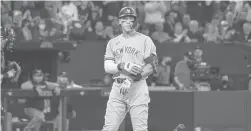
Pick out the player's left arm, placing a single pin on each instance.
(150, 58)
(150, 66)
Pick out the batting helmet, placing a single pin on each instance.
(127, 11)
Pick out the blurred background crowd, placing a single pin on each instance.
(164, 21)
(170, 23)
(177, 21)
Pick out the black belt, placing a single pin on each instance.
(120, 80)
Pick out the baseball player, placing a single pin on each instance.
(131, 57)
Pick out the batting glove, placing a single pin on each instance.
(130, 68)
(125, 86)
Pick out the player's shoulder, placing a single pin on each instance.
(115, 40)
(142, 35)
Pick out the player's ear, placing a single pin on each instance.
(120, 21)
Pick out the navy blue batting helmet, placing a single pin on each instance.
(127, 11)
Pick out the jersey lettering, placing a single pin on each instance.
(131, 50)
(128, 50)
(134, 49)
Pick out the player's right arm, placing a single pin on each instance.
(109, 61)
(112, 67)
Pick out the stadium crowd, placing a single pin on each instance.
(164, 21)
(176, 21)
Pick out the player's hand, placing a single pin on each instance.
(125, 86)
(133, 68)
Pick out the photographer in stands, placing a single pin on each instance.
(201, 71)
(182, 73)
(198, 53)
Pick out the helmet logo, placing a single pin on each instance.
(128, 11)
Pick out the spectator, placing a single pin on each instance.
(196, 10)
(163, 72)
(141, 11)
(109, 32)
(169, 24)
(110, 10)
(38, 11)
(198, 53)
(71, 10)
(208, 11)
(68, 13)
(186, 19)
(6, 19)
(211, 34)
(245, 35)
(247, 6)
(178, 8)
(84, 10)
(216, 25)
(41, 32)
(155, 12)
(99, 29)
(240, 20)
(77, 32)
(116, 27)
(89, 33)
(144, 30)
(52, 7)
(229, 31)
(180, 35)
(193, 34)
(5, 7)
(159, 35)
(94, 17)
(17, 18)
(26, 32)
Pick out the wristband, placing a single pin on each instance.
(119, 66)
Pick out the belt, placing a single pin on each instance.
(120, 80)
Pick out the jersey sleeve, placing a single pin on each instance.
(150, 48)
(108, 52)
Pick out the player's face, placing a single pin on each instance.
(127, 23)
